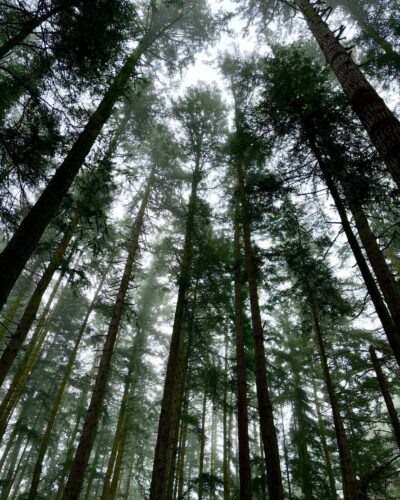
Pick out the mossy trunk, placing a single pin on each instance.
(28, 317)
(44, 443)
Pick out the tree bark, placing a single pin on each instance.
(226, 471)
(44, 443)
(202, 446)
(75, 480)
(268, 431)
(29, 315)
(351, 487)
(169, 415)
(391, 330)
(325, 449)
(378, 120)
(27, 28)
(20, 247)
(241, 379)
(394, 418)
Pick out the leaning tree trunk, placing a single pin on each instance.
(44, 443)
(392, 332)
(394, 418)
(28, 362)
(27, 29)
(29, 315)
(20, 247)
(75, 480)
(169, 415)
(265, 410)
(241, 382)
(351, 490)
(378, 120)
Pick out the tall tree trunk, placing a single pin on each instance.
(378, 120)
(391, 330)
(182, 456)
(27, 29)
(226, 471)
(267, 426)
(213, 453)
(325, 449)
(241, 379)
(20, 247)
(351, 487)
(11, 468)
(44, 443)
(202, 446)
(170, 405)
(28, 362)
(75, 480)
(29, 315)
(394, 418)
(301, 434)
(93, 467)
(285, 454)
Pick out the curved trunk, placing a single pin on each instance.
(75, 480)
(242, 408)
(378, 120)
(267, 426)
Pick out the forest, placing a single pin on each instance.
(200, 249)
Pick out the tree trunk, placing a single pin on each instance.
(20, 247)
(241, 379)
(26, 29)
(28, 362)
(226, 471)
(286, 455)
(29, 315)
(301, 434)
(378, 120)
(351, 489)
(170, 405)
(11, 469)
(325, 449)
(202, 446)
(394, 418)
(37, 471)
(267, 426)
(75, 480)
(392, 332)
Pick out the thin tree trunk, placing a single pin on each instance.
(182, 456)
(351, 489)
(378, 120)
(75, 480)
(267, 426)
(17, 252)
(213, 455)
(285, 454)
(94, 466)
(170, 405)
(226, 471)
(26, 29)
(392, 332)
(241, 379)
(202, 446)
(37, 471)
(394, 418)
(322, 433)
(29, 315)
(11, 468)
